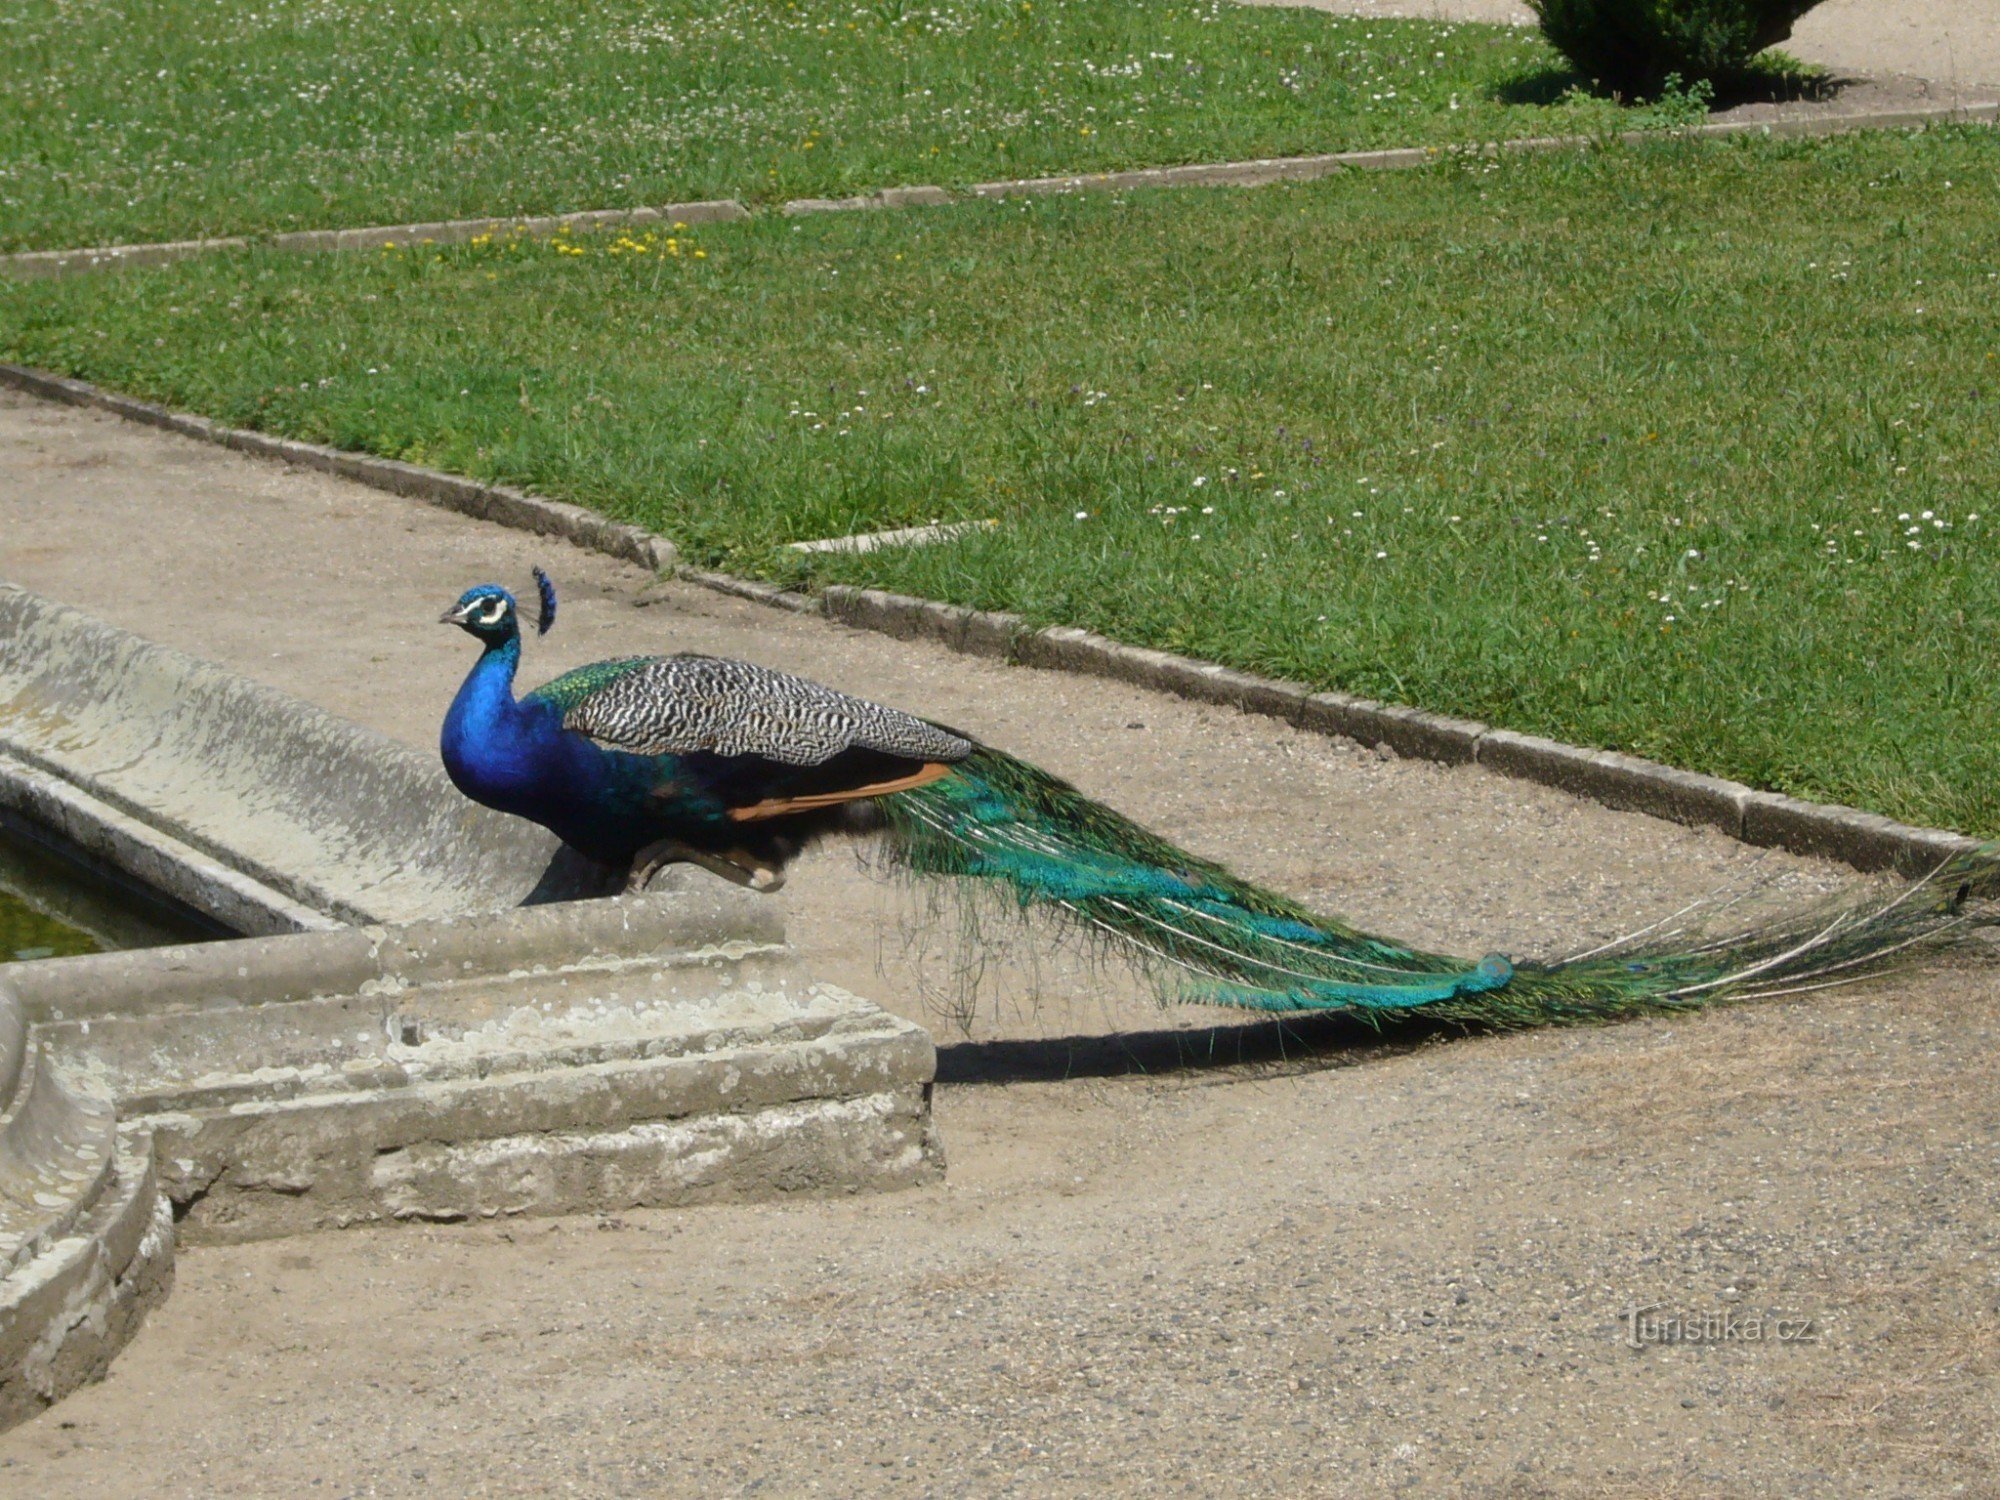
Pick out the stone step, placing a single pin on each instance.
(65, 1311)
(549, 1094)
(56, 1147)
(643, 1051)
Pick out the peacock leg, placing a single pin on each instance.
(736, 866)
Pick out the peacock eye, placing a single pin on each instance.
(494, 613)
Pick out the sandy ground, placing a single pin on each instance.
(1363, 1268)
(1951, 44)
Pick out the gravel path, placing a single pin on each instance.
(1370, 1269)
(1950, 43)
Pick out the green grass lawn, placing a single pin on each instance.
(1689, 449)
(125, 120)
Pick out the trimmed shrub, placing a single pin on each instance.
(1629, 47)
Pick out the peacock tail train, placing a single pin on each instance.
(1209, 935)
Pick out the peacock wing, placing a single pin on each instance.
(688, 704)
(573, 687)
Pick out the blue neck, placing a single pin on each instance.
(488, 690)
(483, 732)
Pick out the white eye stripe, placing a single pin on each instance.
(494, 612)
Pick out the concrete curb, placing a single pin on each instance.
(1260, 172)
(903, 197)
(1264, 171)
(40, 265)
(755, 590)
(1866, 841)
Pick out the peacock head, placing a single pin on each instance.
(488, 611)
(485, 610)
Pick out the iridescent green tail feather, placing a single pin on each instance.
(1208, 935)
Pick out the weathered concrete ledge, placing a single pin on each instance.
(37, 265)
(85, 1238)
(141, 754)
(1261, 172)
(1258, 172)
(680, 913)
(40, 806)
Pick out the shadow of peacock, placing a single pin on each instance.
(647, 760)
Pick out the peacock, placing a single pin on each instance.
(645, 760)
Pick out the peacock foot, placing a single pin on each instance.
(737, 866)
(764, 878)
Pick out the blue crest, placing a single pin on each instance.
(548, 592)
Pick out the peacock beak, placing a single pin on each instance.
(458, 614)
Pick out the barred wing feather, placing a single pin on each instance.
(680, 705)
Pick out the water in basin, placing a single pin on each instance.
(54, 907)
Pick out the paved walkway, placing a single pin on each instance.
(1951, 42)
(1387, 1270)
